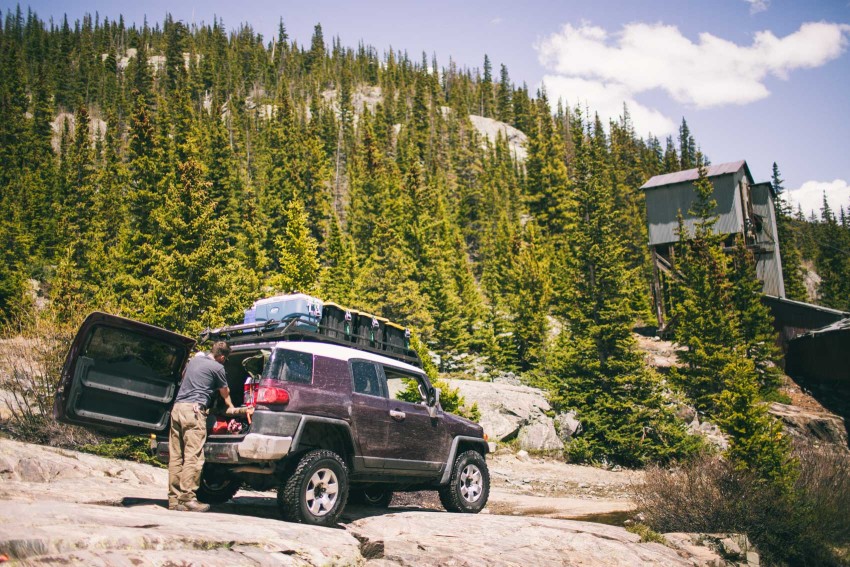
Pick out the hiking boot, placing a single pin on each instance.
(178, 507)
(195, 506)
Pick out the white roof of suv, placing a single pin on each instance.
(344, 353)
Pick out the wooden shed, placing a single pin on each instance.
(743, 207)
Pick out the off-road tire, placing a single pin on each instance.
(374, 497)
(325, 471)
(216, 488)
(469, 486)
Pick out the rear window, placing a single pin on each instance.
(147, 355)
(291, 366)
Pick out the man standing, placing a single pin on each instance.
(204, 375)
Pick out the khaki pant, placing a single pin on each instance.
(186, 452)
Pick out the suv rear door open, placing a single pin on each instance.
(121, 374)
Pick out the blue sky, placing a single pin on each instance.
(761, 80)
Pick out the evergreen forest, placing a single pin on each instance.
(175, 174)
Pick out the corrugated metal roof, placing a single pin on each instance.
(693, 174)
(843, 325)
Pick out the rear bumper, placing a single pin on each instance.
(257, 446)
(252, 447)
(270, 439)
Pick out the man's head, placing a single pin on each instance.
(220, 352)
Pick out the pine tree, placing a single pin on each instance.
(833, 260)
(597, 370)
(386, 284)
(725, 332)
(504, 95)
(547, 184)
(792, 269)
(757, 443)
(687, 147)
(704, 327)
(530, 294)
(297, 253)
(316, 56)
(670, 162)
(487, 101)
(755, 322)
(339, 270)
(194, 281)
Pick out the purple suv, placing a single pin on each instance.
(328, 425)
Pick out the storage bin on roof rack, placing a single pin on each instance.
(378, 337)
(396, 338)
(306, 309)
(336, 322)
(368, 329)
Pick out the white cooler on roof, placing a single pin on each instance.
(306, 309)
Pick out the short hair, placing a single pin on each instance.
(221, 348)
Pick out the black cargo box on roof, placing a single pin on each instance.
(271, 331)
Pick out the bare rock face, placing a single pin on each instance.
(715, 549)
(60, 532)
(429, 538)
(811, 424)
(505, 408)
(710, 432)
(540, 435)
(64, 507)
(490, 128)
(568, 426)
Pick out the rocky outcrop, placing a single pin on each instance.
(567, 426)
(65, 507)
(424, 538)
(539, 435)
(811, 424)
(510, 411)
(710, 432)
(490, 129)
(87, 534)
(715, 549)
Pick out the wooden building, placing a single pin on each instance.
(743, 208)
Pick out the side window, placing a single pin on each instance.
(366, 378)
(404, 386)
(291, 366)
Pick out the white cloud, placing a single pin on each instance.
(496, 21)
(810, 196)
(712, 72)
(757, 6)
(656, 57)
(607, 100)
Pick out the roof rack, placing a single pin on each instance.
(298, 329)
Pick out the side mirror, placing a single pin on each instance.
(433, 400)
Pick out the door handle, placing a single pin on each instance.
(397, 415)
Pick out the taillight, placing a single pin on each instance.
(271, 392)
(249, 393)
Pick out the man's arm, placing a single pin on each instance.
(231, 411)
(225, 395)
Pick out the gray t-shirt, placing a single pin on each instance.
(202, 377)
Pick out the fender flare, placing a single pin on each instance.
(447, 472)
(307, 419)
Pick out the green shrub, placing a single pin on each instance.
(129, 448)
(647, 534)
